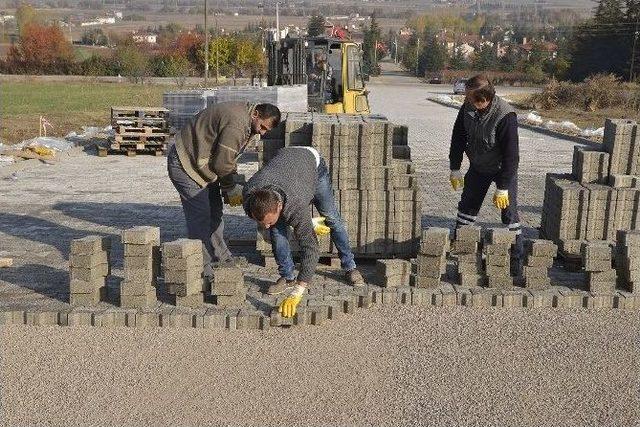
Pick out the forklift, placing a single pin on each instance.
(330, 67)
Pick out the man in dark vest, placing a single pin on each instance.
(202, 164)
(486, 129)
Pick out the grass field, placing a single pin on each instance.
(67, 106)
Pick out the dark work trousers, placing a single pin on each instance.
(476, 186)
(202, 210)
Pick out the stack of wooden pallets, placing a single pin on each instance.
(138, 130)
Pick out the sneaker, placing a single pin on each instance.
(280, 286)
(354, 278)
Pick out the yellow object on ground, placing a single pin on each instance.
(6, 262)
(42, 150)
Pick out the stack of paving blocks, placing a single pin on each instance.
(602, 195)
(596, 258)
(141, 267)
(431, 262)
(628, 260)
(89, 267)
(393, 273)
(228, 285)
(538, 261)
(469, 258)
(182, 261)
(377, 194)
(497, 257)
(570, 251)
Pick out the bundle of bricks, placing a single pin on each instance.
(393, 273)
(88, 270)
(141, 267)
(628, 260)
(182, 262)
(596, 258)
(431, 262)
(376, 193)
(138, 129)
(539, 259)
(497, 257)
(468, 256)
(602, 194)
(228, 285)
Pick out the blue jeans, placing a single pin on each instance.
(325, 204)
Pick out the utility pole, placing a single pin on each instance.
(417, 55)
(217, 42)
(633, 52)
(206, 46)
(395, 43)
(277, 21)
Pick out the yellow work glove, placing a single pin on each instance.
(233, 197)
(457, 180)
(319, 226)
(290, 304)
(501, 199)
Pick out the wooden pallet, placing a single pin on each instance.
(148, 139)
(138, 112)
(159, 122)
(142, 130)
(131, 151)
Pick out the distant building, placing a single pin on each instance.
(6, 18)
(145, 38)
(548, 49)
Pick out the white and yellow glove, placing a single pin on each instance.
(501, 199)
(233, 197)
(290, 304)
(320, 228)
(457, 180)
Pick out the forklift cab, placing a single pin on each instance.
(331, 68)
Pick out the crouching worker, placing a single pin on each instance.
(280, 195)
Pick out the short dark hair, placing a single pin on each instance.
(262, 201)
(269, 111)
(479, 88)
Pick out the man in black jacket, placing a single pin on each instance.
(486, 129)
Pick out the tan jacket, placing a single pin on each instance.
(209, 145)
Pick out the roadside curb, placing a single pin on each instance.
(538, 129)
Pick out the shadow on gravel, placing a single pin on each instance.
(45, 280)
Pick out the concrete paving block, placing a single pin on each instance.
(394, 281)
(601, 287)
(136, 288)
(141, 235)
(91, 274)
(594, 264)
(90, 245)
(212, 318)
(498, 260)
(192, 262)
(86, 287)
(248, 320)
(181, 248)
(628, 237)
(497, 270)
(147, 319)
(236, 300)
(426, 282)
(463, 296)
(141, 262)
(500, 236)
(599, 301)
(535, 272)
(468, 233)
(500, 282)
(538, 261)
(318, 314)
(392, 267)
(139, 301)
(542, 298)
(140, 275)
(43, 318)
(464, 247)
(471, 280)
(626, 300)
(110, 318)
(88, 299)
(496, 249)
(185, 289)
(79, 318)
(541, 248)
(512, 299)
(537, 283)
(190, 301)
(449, 298)
(390, 296)
(482, 298)
(570, 299)
(88, 261)
(469, 268)
(177, 319)
(150, 249)
(12, 317)
(184, 276)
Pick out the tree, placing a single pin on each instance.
(41, 49)
(25, 15)
(372, 36)
(315, 26)
(132, 62)
(433, 57)
(94, 37)
(485, 58)
(170, 65)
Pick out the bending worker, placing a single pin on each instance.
(202, 164)
(280, 195)
(487, 130)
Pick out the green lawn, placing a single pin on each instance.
(67, 106)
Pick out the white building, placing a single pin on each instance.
(145, 38)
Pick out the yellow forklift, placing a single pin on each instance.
(330, 67)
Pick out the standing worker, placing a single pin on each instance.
(280, 195)
(487, 130)
(202, 163)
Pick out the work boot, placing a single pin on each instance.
(280, 286)
(354, 278)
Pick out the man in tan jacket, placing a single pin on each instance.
(203, 163)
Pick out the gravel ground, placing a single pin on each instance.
(385, 366)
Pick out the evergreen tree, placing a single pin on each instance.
(433, 56)
(315, 27)
(372, 36)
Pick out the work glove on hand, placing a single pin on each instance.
(501, 199)
(233, 197)
(319, 226)
(290, 304)
(457, 180)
